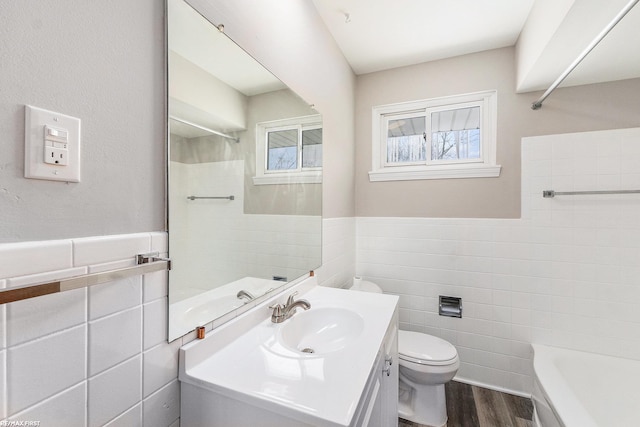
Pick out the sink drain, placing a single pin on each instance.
(307, 350)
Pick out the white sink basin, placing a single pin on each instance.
(321, 330)
(257, 362)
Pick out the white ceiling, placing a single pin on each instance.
(197, 40)
(385, 34)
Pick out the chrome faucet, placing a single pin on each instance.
(283, 312)
(244, 294)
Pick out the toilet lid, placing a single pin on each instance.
(425, 349)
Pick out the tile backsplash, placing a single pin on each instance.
(99, 355)
(93, 356)
(566, 274)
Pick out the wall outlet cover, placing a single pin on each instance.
(57, 163)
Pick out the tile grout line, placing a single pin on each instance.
(86, 355)
(142, 350)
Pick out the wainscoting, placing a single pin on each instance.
(566, 274)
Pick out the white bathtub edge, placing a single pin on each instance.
(492, 387)
(558, 394)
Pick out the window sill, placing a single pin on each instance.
(304, 178)
(435, 172)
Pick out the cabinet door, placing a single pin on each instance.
(373, 414)
(390, 378)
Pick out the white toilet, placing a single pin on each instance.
(426, 364)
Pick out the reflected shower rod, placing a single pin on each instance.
(215, 132)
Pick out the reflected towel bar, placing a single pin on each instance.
(213, 197)
(550, 193)
(146, 263)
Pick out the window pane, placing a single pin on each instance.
(282, 150)
(312, 148)
(406, 140)
(455, 134)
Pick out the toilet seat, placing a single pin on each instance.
(424, 349)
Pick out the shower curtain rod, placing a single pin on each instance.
(536, 105)
(215, 132)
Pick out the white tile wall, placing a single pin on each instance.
(155, 313)
(114, 339)
(38, 317)
(44, 367)
(109, 298)
(338, 252)
(225, 244)
(155, 362)
(133, 417)
(163, 405)
(3, 379)
(115, 391)
(65, 409)
(566, 274)
(76, 358)
(17, 259)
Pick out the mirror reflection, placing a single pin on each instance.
(245, 172)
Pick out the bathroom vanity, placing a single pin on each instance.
(335, 364)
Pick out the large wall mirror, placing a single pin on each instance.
(245, 172)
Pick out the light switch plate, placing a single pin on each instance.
(34, 146)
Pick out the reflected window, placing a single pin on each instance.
(282, 152)
(312, 148)
(289, 151)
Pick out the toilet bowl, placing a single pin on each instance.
(427, 363)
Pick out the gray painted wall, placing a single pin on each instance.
(575, 109)
(290, 40)
(294, 199)
(104, 63)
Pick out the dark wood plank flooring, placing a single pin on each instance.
(471, 406)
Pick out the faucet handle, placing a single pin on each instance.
(290, 299)
(277, 316)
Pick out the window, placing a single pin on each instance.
(450, 137)
(289, 151)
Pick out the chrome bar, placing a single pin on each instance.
(212, 197)
(550, 193)
(536, 105)
(20, 293)
(215, 132)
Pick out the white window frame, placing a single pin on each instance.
(483, 167)
(294, 176)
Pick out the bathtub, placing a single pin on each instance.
(578, 389)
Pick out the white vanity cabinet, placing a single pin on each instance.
(379, 405)
(247, 373)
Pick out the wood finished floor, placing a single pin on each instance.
(471, 406)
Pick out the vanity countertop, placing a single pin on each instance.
(245, 360)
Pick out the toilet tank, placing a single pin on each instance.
(365, 286)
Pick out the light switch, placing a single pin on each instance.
(52, 145)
